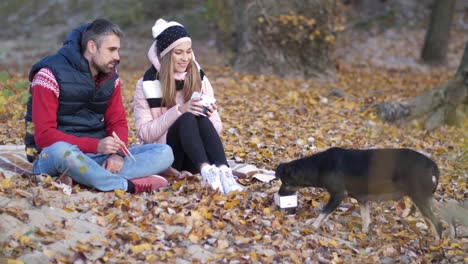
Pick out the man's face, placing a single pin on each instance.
(105, 57)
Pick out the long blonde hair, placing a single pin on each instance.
(192, 81)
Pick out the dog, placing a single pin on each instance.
(365, 175)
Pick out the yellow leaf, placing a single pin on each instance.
(255, 140)
(231, 204)
(315, 203)
(434, 248)
(323, 243)
(122, 202)
(48, 179)
(68, 209)
(205, 213)
(361, 236)
(455, 245)
(333, 243)
(49, 253)
(83, 247)
(119, 193)
(4, 184)
(14, 261)
(312, 101)
(220, 224)
(445, 242)
(24, 240)
(267, 210)
(194, 238)
(81, 157)
(253, 256)
(161, 196)
(111, 217)
(140, 248)
(31, 151)
(330, 39)
(83, 169)
(178, 184)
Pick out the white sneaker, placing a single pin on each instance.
(210, 177)
(228, 180)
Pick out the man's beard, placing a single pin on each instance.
(104, 69)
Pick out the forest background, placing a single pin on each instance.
(375, 53)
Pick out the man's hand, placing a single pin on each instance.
(114, 163)
(109, 145)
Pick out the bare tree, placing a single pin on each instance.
(437, 34)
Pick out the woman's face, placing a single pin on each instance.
(182, 56)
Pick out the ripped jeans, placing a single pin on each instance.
(86, 168)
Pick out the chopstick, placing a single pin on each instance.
(125, 149)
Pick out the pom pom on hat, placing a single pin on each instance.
(168, 35)
(162, 25)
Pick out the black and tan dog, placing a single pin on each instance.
(366, 175)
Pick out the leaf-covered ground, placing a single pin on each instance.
(266, 121)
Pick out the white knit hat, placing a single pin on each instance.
(168, 35)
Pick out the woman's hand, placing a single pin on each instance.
(192, 106)
(173, 173)
(210, 110)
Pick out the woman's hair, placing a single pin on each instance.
(192, 80)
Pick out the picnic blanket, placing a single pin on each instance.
(13, 161)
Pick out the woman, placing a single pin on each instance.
(166, 113)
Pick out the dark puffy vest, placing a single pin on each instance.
(81, 106)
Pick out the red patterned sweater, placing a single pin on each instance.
(45, 94)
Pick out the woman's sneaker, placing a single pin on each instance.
(210, 177)
(149, 184)
(228, 180)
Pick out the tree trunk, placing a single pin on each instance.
(292, 39)
(446, 104)
(437, 34)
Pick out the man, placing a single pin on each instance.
(74, 110)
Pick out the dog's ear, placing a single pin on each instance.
(279, 171)
(283, 171)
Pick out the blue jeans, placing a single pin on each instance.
(86, 168)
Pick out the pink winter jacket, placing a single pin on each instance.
(152, 124)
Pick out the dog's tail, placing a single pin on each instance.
(452, 212)
(435, 176)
